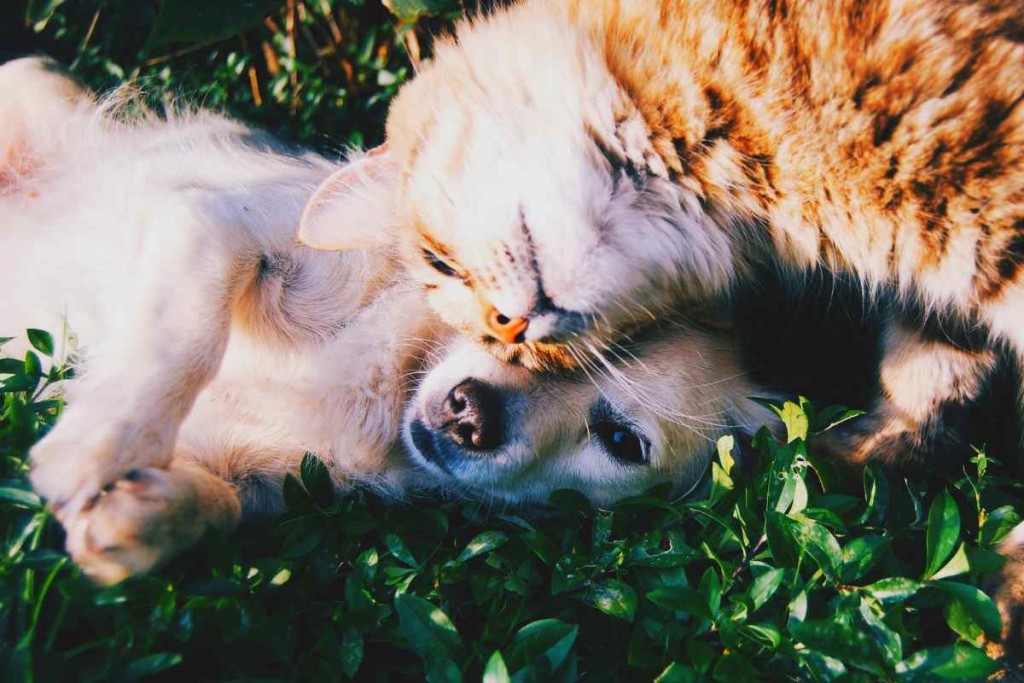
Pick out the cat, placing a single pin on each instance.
(565, 171)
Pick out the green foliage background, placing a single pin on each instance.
(788, 572)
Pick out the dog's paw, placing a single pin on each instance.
(75, 462)
(135, 525)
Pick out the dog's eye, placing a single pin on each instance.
(622, 442)
(437, 264)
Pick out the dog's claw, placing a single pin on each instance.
(132, 527)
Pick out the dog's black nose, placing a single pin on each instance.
(472, 416)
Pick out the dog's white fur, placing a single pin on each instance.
(213, 352)
(153, 242)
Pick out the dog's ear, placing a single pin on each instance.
(354, 208)
(38, 102)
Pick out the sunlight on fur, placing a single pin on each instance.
(213, 352)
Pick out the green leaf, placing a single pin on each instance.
(978, 605)
(721, 484)
(483, 543)
(998, 524)
(545, 643)
(572, 502)
(651, 552)
(38, 13)
(216, 588)
(839, 639)
(19, 383)
(351, 651)
(710, 590)
(795, 419)
(962, 623)
(316, 479)
(833, 416)
(823, 667)
(785, 550)
(952, 663)
(734, 667)
(614, 598)
(21, 497)
(295, 496)
(200, 21)
(680, 599)
(957, 565)
(397, 548)
(765, 585)
(11, 366)
(818, 542)
(861, 554)
(985, 561)
(797, 609)
(887, 640)
(302, 542)
(943, 531)
(150, 665)
(409, 11)
(496, 671)
(677, 673)
(766, 634)
(431, 635)
(33, 367)
(701, 654)
(893, 590)
(876, 494)
(725, 445)
(42, 341)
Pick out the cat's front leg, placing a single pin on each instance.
(926, 384)
(165, 338)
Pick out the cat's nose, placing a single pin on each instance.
(472, 414)
(508, 330)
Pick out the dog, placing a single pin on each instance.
(212, 351)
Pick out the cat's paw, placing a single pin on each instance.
(81, 457)
(135, 525)
(1008, 591)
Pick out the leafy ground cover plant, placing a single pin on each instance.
(791, 570)
(783, 571)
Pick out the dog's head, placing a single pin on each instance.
(609, 431)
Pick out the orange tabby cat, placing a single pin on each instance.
(565, 170)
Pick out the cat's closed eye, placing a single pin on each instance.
(435, 262)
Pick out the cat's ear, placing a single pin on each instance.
(354, 208)
(38, 104)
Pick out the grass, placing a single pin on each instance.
(784, 570)
(789, 571)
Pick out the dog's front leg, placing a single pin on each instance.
(141, 521)
(168, 329)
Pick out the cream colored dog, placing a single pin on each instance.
(213, 352)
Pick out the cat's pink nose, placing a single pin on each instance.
(508, 330)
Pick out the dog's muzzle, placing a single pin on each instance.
(468, 422)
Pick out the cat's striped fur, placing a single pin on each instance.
(583, 164)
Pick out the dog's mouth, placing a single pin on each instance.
(426, 447)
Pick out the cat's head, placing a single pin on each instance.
(527, 196)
